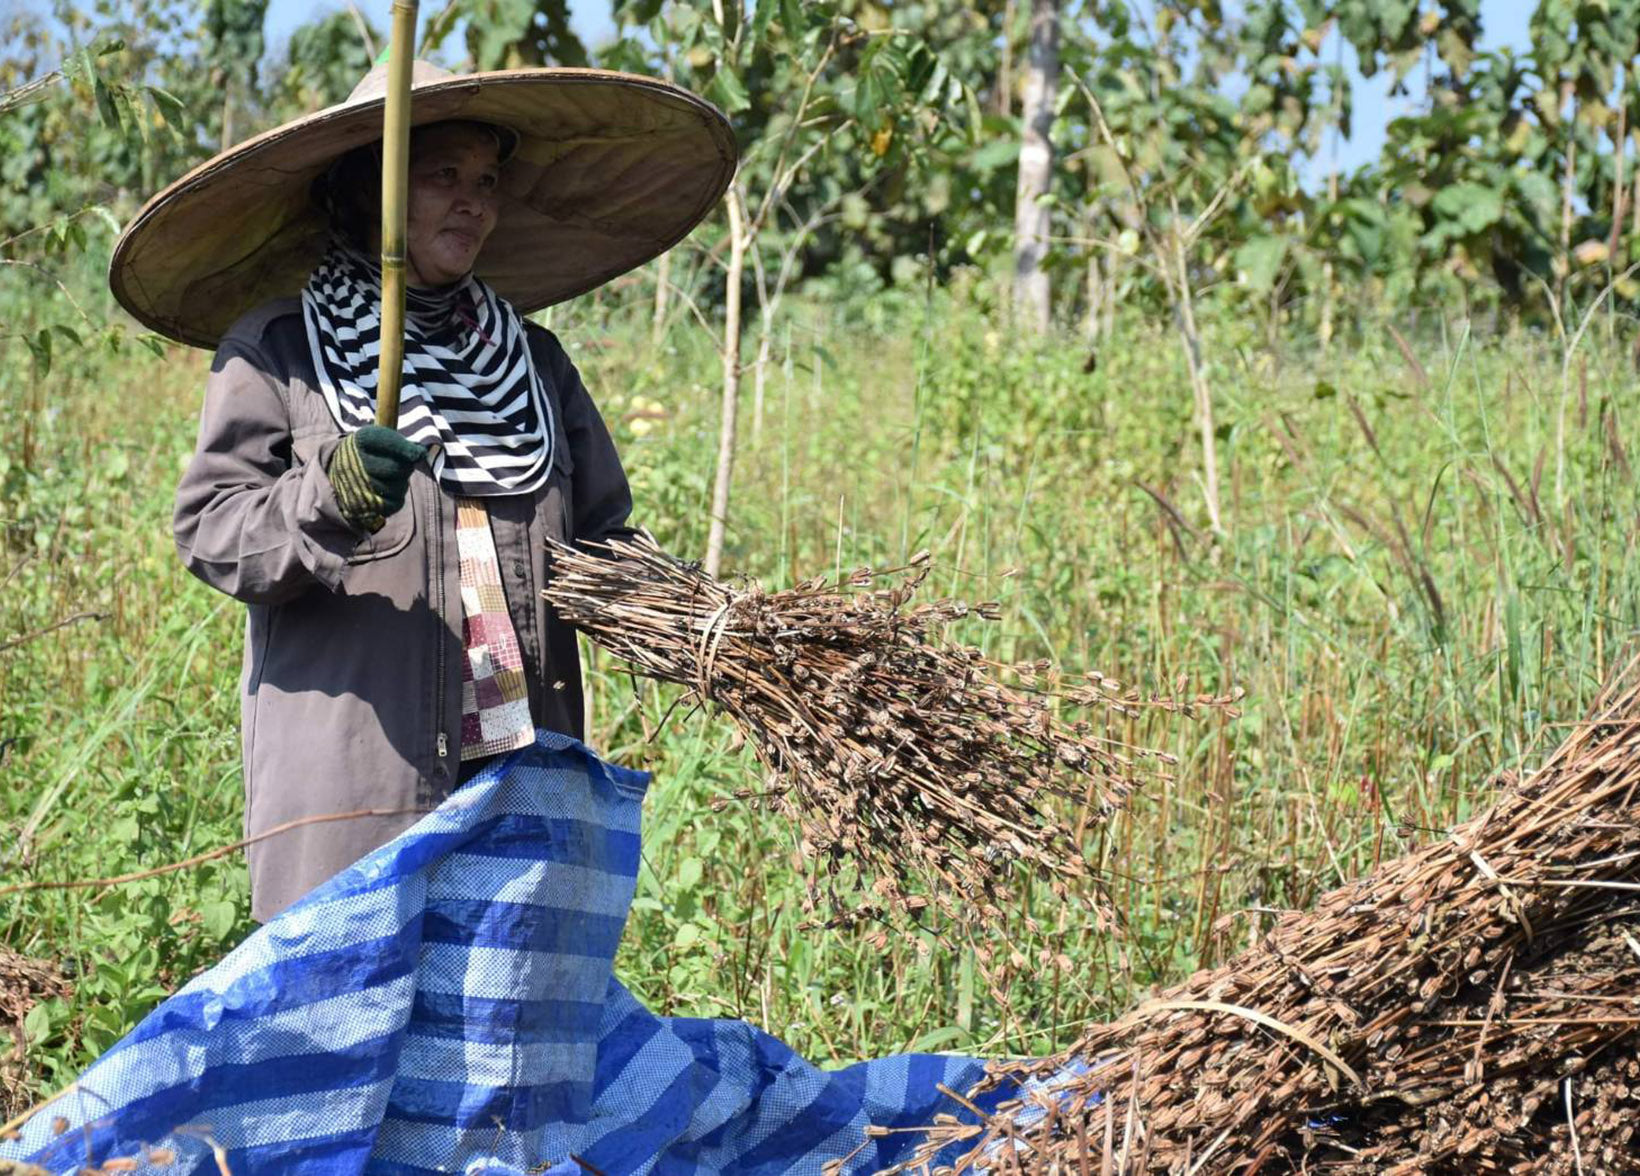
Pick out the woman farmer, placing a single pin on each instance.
(396, 637)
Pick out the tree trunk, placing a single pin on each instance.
(765, 331)
(663, 288)
(760, 377)
(1568, 187)
(1634, 203)
(1032, 220)
(1093, 323)
(731, 382)
(1112, 272)
(1620, 182)
(227, 115)
(663, 280)
(1329, 287)
(1003, 100)
(1185, 307)
(1097, 285)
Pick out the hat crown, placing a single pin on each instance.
(374, 83)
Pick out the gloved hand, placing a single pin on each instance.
(370, 471)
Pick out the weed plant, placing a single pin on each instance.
(1428, 563)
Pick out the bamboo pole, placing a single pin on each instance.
(395, 181)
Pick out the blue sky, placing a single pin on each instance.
(1504, 23)
(1503, 26)
(591, 20)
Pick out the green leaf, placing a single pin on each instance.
(134, 125)
(728, 91)
(1538, 191)
(105, 103)
(936, 1039)
(690, 872)
(101, 212)
(761, 16)
(639, 12)
(1259, 261)
(870, 96)
(40, 347)
(37, 1025)
(791, 16)
(998, 153)
(687, 936)
(80, 66)
(219, 918)
(935, 89)
(1473, 207)
(976, 117)
(170, 108)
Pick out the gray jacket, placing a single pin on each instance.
(351, 695)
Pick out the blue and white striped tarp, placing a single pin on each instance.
(448, 1004)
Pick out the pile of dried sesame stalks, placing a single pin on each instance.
(921, 773)
(1471, 1007)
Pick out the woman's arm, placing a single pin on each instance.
(249, 521)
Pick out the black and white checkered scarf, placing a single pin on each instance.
(469, 388)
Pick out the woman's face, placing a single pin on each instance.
(452, 201)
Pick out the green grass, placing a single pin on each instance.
(1405, 597)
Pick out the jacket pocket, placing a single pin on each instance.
(400, 526)
(394, 536)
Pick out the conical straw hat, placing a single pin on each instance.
(609, 171)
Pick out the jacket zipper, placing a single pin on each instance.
(442, 624)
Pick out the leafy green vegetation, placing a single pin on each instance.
(1407, 609)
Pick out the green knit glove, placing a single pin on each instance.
(370, 471)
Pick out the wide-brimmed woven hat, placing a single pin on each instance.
(609, 170)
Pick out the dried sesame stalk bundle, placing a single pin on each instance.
(906, 759)
(1471, 1007)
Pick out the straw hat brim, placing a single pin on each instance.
(610, 171)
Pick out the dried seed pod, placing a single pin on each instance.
(1456, 1027)
(920, 761)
